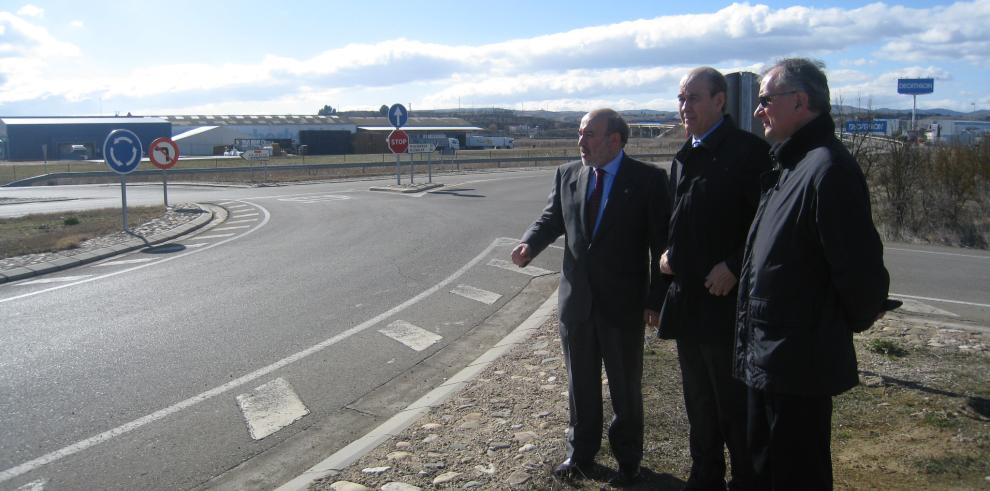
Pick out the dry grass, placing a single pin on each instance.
(61, 231)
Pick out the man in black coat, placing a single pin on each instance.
(813, 274)
(715, 180)
(613, 212)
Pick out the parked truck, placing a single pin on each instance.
(482, 142)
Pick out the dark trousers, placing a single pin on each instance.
(716, 410)
(586, 346)
(789, 438)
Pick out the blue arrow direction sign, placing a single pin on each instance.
(397, 115)
(122, 151)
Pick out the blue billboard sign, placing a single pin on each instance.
(866, 126)
(915, 85)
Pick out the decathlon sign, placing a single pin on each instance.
(915, 85)
(866, 127)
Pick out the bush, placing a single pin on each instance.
(70, 221)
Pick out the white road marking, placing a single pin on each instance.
(316, 199)
(126, 261)
(476, 294)
(530, 270)
(238, 207)
(61, 279)
(410, 335)
(193, 246)
(231, 222)
(923, 308)
(227, 203)
(237, 215)
(936, 253)
(235, 227)
(214, 236)
(38, 485)
(943, 300)
(108, 435)
(270, 408)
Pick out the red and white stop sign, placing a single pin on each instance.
(398, 141)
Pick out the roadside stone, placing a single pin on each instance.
(375, 471)
(518, 478)
(348, 486)
(471, 485)
(431, 438)
(525, 436)
(498, 446)
(489, 470)
(506, 413)
(431, 426)
(445, 477)
(470, 425)
(529, 447)
(398, 456)
(403, 445)
(400, 486)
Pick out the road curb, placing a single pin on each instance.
(406, 188)
(405, 418)
(65, 262)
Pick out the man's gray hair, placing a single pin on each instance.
(614, 123)
(807, 76)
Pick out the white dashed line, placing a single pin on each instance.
(126, 261)
(245, 215)
(923, 308)
(530, 270)
(193, 246)
(411, 335)
(476, 294)
(270, 408)
(943, 300)
(241, 221)
(215, 236)
(38, 485)
(62, 279)
(231, 228)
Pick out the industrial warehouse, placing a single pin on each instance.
(81, 138)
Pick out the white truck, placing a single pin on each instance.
(482, 142)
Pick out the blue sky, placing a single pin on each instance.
(66, 57)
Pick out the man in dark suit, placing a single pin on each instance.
(613, 212)
(715, 180)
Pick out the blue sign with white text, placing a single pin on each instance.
(866, 126)
(122, 151)
(915, 85)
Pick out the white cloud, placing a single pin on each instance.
(638, 62)
(31, 11)
(77, 24)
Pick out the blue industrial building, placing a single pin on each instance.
(62, 138)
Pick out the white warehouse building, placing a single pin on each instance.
(210, 135)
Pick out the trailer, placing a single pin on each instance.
(482, 142)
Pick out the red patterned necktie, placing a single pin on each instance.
(594, 202)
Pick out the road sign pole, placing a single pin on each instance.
(165, 187)
(429, 166)
(914, 107)
(123, 199)
(398, 170)
(412, 167)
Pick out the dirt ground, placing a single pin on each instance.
(919, 420)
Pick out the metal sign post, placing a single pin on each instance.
(122, 152)
(915, 86)
(398, 143)
(164, 153)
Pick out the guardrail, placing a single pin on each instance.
(176, 171)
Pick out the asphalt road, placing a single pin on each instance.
(314, 311)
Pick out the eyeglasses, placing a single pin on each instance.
(767, 99)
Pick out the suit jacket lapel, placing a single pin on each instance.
(581, 193)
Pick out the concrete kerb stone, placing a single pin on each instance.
(406, 188)
(58, 264)
(346, 456)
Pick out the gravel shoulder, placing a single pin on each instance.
(920, 420)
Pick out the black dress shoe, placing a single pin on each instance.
(573, 470)
(624, 478)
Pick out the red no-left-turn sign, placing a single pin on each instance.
(398, 141)
(163, 153)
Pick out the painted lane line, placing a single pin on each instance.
(214, 236)
(225, 203)
(917, 307)
(38, 485)
(193, 246)
(63, 279)
(411, 335)
(108, 435)
(317, 199)
(235, 227)
(242, 215)
(231, 222)
(278, 196)
(125, 261)
(937, 253)
(943, 300)
(271, 407)
(530, 270)
(476, 294)
(238, 207)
